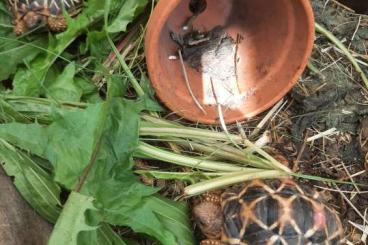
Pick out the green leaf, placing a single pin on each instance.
(34, 184)
(26, 83)
(86, 86)
(29, 137)
(9, 114)
(80, 223)
(149, 95)
(71, 141)
(37, 187)
(5, 19)
(14, 53)
(174, 217)
(35, 109)
(98, 45)
(107, 236)
(128, 10)
(165, 220)
(67, 143)
(73, 220)
(64, 88)
(125, 201)
(103, 137)
(116, 86)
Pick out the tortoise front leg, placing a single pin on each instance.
(19, 25)
(18, 21)
(211, 242)
(57, 23)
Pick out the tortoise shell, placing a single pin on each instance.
(29, 14)
(279, 212)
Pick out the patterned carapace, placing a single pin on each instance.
(30, 14)
(278, 212)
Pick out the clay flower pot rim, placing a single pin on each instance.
(157, 21)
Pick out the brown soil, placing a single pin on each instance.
(19, 223)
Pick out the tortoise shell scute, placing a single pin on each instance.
(277, 212)
(53, 7)
(30, 14)
(303, 214)
(266, 211)
(232, 224)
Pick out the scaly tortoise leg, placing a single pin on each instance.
(211, 242)
(19, 27)
(209, 218)
(19, 24)
(212, 197)
(57, 23)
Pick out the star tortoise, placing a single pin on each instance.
(30, 14)
(271, 212)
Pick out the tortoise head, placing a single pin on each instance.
(33, 19)
(208, 215)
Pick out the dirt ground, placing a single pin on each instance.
(19, 223)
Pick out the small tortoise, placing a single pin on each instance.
(29, 14)
(272, 212)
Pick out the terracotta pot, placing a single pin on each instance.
(278, 38)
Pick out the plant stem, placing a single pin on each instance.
(205, 135)
(138, 89)
(192, 133)
(314, 69)
(341, 46)
(146, 150)
(179, 175)
(157, 120)
(42, 101)
(87, 170)
(234, 155)
(231, 179)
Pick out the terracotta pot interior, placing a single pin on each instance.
(276, 42)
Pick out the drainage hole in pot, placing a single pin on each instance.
(197, 6)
